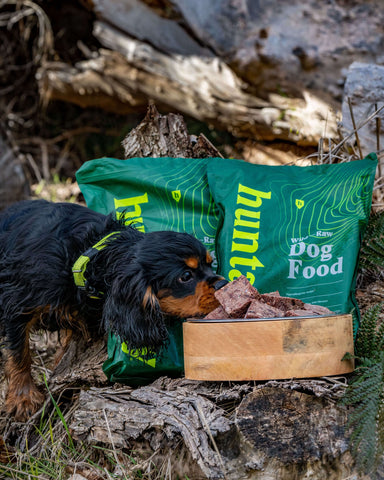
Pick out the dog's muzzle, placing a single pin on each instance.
(220, 284)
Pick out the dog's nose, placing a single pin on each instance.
(220, 284)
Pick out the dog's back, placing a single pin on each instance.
(40, 241)
(26, 222)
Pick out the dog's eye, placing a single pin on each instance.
(186, 276)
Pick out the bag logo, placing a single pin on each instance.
(176, 194)
(246, 229)
(299, 203)
(139, 354)
(131, 210)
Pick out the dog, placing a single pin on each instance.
(64, 266)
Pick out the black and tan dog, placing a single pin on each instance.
(64, 266)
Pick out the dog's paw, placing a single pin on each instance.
(23, 403)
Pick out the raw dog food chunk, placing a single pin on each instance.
(258, 309)
(219, 312)
(239, 299)
(317, 309)
(283, 303)
(236, 296)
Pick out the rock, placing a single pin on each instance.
(305, 45)
(364, 87)
(141, 22)
(274, 46)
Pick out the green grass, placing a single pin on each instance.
(55, 459)
(51, 453)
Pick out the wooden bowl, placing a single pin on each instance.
(266, 349)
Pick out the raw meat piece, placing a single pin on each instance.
(259, 309)
(236, 296)
(274, 294)
(239, 299)
(300, 313)
(283, 303)
(317, 309)
(217, 314)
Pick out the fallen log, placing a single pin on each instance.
(120, 79)
(262, 71)
(275, 431)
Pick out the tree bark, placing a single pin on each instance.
(279, 430)
(166, 136)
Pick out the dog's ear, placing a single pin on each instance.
(132, 312)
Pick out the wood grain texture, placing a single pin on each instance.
(269, 349)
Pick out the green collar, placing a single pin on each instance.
(81, 263)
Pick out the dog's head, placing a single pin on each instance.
(165, 273)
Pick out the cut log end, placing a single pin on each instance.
(166, 136)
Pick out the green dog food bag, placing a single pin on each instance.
(137, 367)
(294, 229)
(153, 194)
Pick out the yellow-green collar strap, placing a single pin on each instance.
(81, 263)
